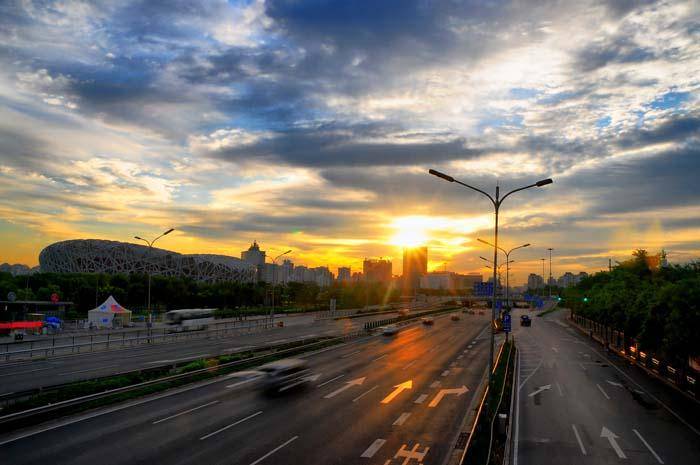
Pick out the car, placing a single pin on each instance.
(525, 321)
(427, 320)
(454, 317)
(390, 330)
(282, 375)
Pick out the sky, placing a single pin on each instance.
(310, 126)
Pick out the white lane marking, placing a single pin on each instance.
(26, 371)
(402, 418)
(453, 364)
(612, 439)
(410, 363)
(86, 370)
(613, 383)
(185, 412)
(582, 367)
(420, 399)
(604, 393)
(379, 358)
(348, 385)
(546, 387)
(561, 393)
(364, 394)
(446, 373)
(517, 415)
(555, 350)
(275, 450)
(373, 448)
(231, 425)
(656, 456)
(436, 384)
(459, 357)
(578, 438)
(241, 382)
(330, 380)
(351, 353)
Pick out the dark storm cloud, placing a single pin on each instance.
(674, 128)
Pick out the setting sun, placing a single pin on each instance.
(411, 231)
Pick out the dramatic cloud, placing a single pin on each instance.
(311, 125)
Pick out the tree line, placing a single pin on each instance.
(657, 308)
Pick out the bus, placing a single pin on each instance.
(189, 319)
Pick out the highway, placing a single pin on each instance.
(378, 400)
(577, 406)
(22, 375)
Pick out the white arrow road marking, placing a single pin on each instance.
(399, 388)
(613, 383)
(373, 448)
(349, 384)
(604, 393)
(330, 380)
(420, 399)
(546, 387)
(443, 392)
(658, 459)
(578, 438)
(612, 438)
(402, 418)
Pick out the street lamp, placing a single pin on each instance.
(150, 247)
(274, 272)
(507, 252)
(497, 201)
(542, 275)
(549, 281)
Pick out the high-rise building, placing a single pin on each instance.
(376, 270)
(286, 271)
(255, 257)
(344, 274)
(535, 281)
(415, 264)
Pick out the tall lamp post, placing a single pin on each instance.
(549, 281)
(150, 247)
(274, 269)
(491, 267)
(542, 276)
(507, 253)
(497, 201)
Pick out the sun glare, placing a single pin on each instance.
(411, 231)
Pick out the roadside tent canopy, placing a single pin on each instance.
(109, 315)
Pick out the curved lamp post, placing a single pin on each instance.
(507, 253)
(150, 247)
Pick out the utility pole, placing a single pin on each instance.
(542, 274)
(549, 281)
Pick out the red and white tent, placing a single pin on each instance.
(109, 314)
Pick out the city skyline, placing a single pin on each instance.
(315, 132)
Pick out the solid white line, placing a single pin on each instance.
(561, 393)
(364, 394)
(516, 437)
(380, 357)
(420, 399)
(520, 386)
(436, 384)
(604, 393)
(330, 380)
(372, 449)
(402, 418)
(658, 459)
(274, 450)
(232, 424)
(351, 353)
(245, 381)
(578, 438)
(185, 412)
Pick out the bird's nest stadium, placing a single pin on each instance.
(111, 257)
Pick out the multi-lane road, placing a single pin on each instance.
(378, 400)
(578, 406)
(23, 375)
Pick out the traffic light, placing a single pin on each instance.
(585, 299)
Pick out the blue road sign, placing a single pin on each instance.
(483, 289)
(499, 304)
(506, 322)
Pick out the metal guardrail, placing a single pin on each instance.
(107, 341)
(24, 415)
(377, 323)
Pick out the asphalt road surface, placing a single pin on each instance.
(578, 406)
(23, 375)
(379, 400)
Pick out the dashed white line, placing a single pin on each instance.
(561, 393)
(372, 449)
(275, 450)
(330, 380)
(380, 357)
(185, 412)
(453, 364)
(459, 357)
(86, 370)
(231, 425)
(436, 384)
(578, 438)
(582, 367)
(410, 363)
(364, 394)
(604, 393)
(420, 399)
(242, 382)
(351, 353)
(555, 350)
(402, 418)
(656, 456)
(446, 373)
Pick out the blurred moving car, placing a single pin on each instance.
(282, 375)
(454, 317)
(525, 321)
(427, 320)
(390, 330)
